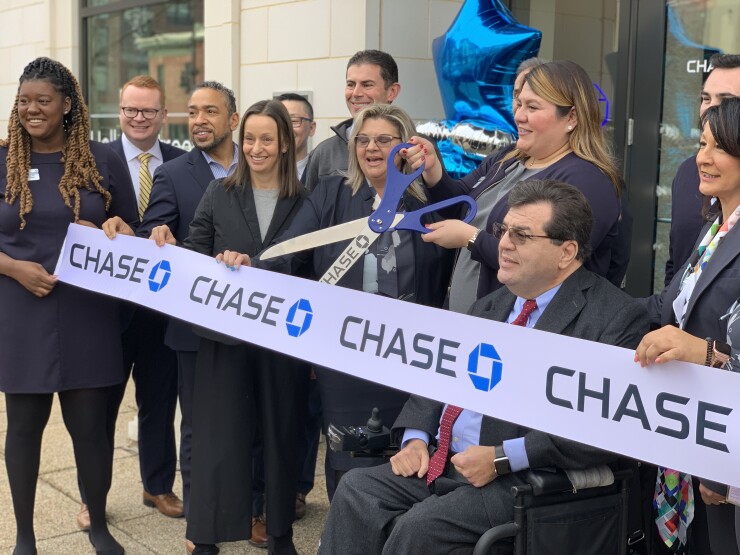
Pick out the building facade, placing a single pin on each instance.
(648, 59)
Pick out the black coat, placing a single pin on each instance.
(332, 203)
(240, 389)
(686, 217)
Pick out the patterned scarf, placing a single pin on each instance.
(711, 240)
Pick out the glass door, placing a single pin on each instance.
(673, 41)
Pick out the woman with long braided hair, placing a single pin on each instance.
(55, 338)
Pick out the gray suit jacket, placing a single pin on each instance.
(718, 287)
(586, 306)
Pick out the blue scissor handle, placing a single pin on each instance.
(412, 220)
(395, 185)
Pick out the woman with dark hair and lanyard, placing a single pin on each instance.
(242, 389)
(695, 312)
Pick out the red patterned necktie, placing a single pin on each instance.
(439, 459)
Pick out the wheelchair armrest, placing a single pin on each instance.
(544, 482)
(557, 480)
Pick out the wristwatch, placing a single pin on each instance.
(718, 353)
(471, 241)
(501, 461)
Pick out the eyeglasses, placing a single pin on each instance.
(517, 236)
(148, 113)
(297, 121)
(380, 140)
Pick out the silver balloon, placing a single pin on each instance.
(435, 130)
(478, 141)
(473, 140)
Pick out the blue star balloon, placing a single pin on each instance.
(476, 61)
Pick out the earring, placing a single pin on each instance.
(570, 128)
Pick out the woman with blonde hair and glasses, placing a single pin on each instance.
(560, 137)
(398, 265)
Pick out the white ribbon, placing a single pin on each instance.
(434, 353)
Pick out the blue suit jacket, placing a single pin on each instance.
(169, 152)
(176, 192)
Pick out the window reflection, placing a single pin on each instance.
(162, 40)
(696, 29)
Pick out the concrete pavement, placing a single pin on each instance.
(141, 530)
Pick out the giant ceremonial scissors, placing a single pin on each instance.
(363, 232)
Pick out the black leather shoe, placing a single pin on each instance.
(205, 549)
(116, 550)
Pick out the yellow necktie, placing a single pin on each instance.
(145, 182)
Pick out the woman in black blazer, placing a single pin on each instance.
(701, 300)
(241, 389)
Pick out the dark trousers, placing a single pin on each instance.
(185, 385)
(155, 376)
(237, 387)
(393, 514)
(722, 533)
(308, 446)
(308, 449)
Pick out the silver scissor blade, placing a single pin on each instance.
(333, 234)
(319, 238)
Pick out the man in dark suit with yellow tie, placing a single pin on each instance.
(142, 114)
(177, 189)
(443, 502)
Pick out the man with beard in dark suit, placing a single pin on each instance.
(176, 192)
(544, 240)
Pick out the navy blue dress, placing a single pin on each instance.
(70, 339)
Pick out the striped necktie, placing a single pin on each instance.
(145, 182)
(438, 461)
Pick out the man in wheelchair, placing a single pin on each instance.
(452, 479)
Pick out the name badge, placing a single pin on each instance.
(33, 174)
